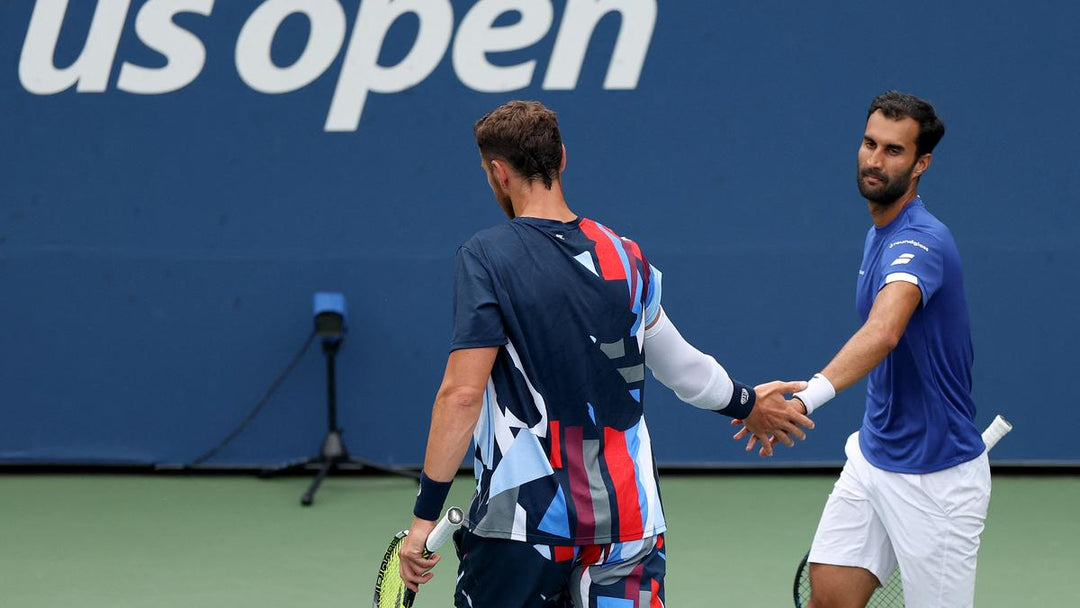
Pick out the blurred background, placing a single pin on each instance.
(181, 176)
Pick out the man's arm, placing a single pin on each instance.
(453, 418)
(700, 381)
(456, 410)
(885, 325)
(889, 316)
(869, 346)
(911, 278)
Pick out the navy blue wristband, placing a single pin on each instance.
(742, 401)
(430, 498)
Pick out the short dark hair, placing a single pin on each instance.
(524, 134)
(896, 105)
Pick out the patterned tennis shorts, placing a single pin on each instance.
(496, 573)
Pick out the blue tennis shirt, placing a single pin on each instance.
(919, 410)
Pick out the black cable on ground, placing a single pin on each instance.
(258, 405)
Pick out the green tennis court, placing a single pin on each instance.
(170, 541)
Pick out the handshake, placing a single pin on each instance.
(774, 418)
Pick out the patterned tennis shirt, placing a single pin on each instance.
(563, 455)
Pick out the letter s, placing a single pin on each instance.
(184, 52)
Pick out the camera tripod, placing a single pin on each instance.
(333, 453)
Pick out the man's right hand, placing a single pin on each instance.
(775, 418)
(414, 567)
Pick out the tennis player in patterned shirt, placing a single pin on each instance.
(555, 319)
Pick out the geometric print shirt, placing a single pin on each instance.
(562, 452)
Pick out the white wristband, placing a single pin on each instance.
(817, 393)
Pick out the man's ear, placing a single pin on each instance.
(502, 176)
(562, 165)
(922, 164)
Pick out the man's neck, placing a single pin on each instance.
(883, 215)
(534, 200)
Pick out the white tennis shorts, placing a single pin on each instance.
(929, 523)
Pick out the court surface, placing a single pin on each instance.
(173, 541)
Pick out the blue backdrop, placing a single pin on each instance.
(180, 178)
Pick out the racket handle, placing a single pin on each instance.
(997, 429)
(446, 526)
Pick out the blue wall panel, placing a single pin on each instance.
(158, 252)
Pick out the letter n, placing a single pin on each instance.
(578, 25)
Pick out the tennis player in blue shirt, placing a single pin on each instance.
(916, 484)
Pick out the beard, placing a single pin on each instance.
(507, 205)
(888, 190)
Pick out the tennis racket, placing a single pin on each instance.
(891, 594)
(390, 589)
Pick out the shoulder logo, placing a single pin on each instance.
(909, 242)
(560, 236)
(904, 258)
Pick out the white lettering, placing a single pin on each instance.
(361, 72)
(184, 53)
(476, 37)
(909, 242)
(578, 24)
(37, 72)
(253, 60)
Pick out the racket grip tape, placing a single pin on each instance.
(997, 429)
(443, 530)
(446, 526)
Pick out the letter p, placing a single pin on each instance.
(361, 72)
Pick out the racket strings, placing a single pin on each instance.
(804, 589)
(889, 595)
(389, 586)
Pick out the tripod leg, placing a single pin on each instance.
(309, 496)
(296, 465)
(384, 468)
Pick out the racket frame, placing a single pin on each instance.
(443, 530)
(388, 557)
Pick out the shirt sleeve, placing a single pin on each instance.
(652, 296)
(914, 258)
(477, 319)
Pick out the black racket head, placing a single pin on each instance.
(801, 589)
(888, 595)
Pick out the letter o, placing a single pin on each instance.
(253, 61)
